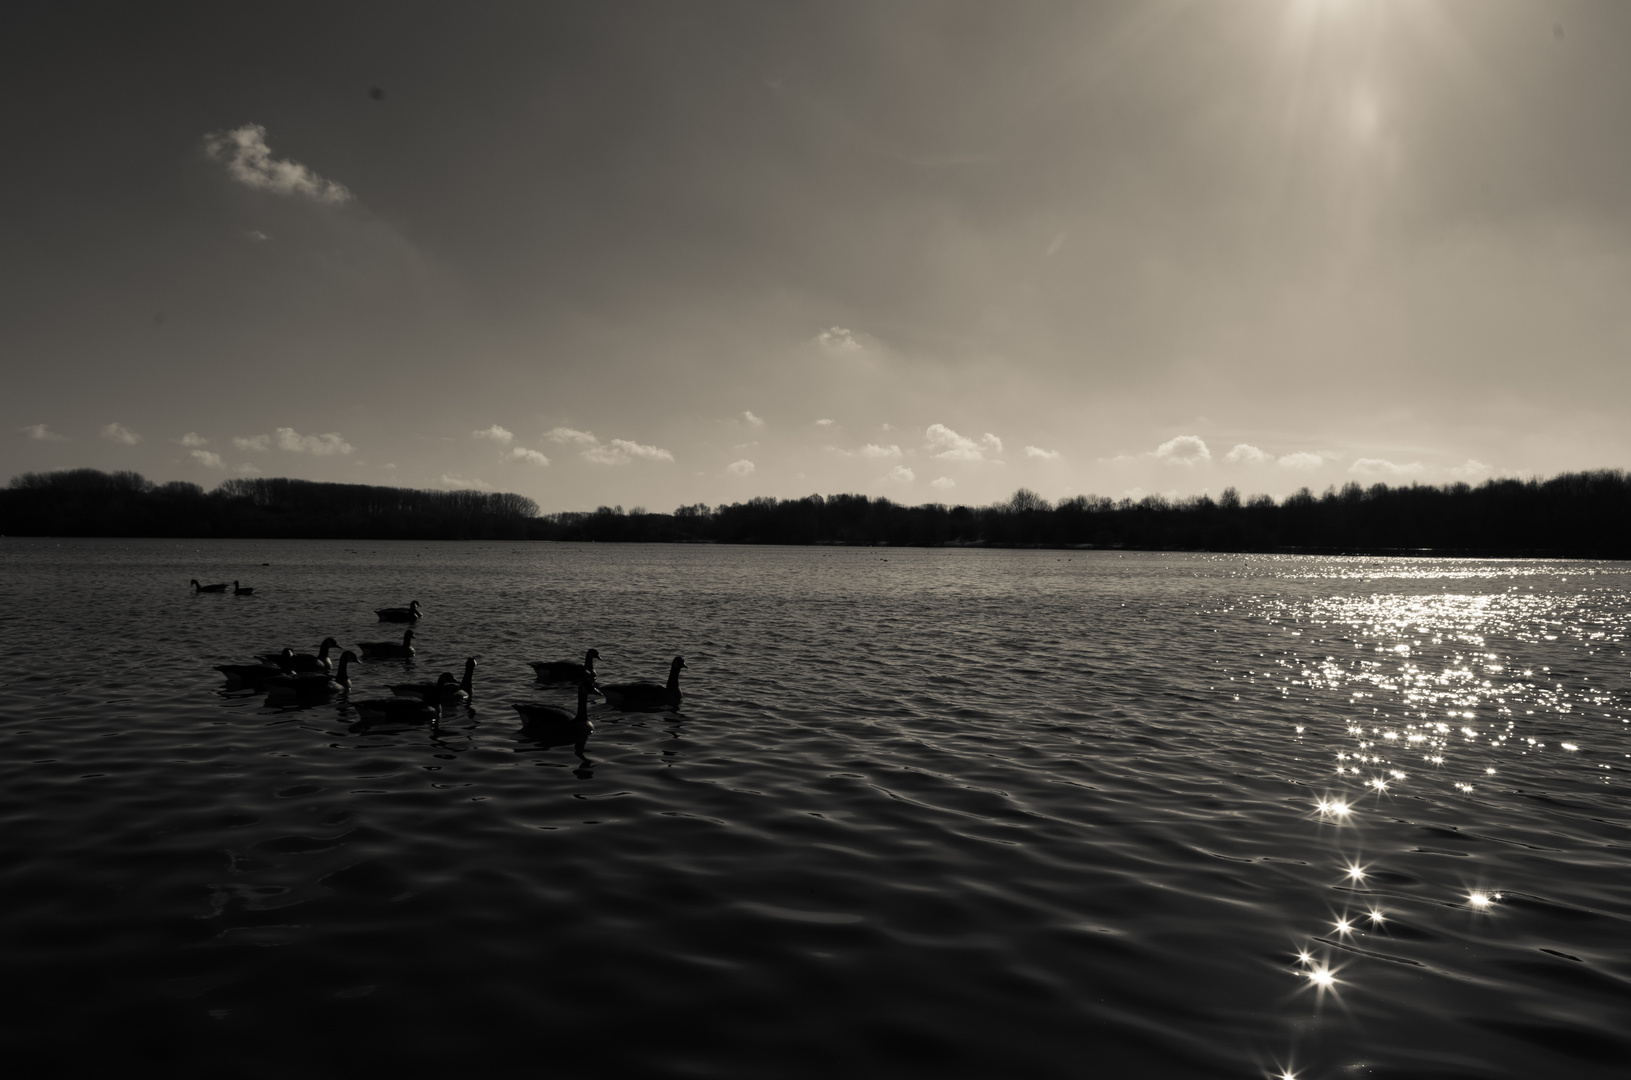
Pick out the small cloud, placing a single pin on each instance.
(836, 339)
(824, 423)
(753, 421)
(256, 236)
(459, 483)
(616, 452)
(497, 434)
(1472, 468)
(257, 443)
(120, 434)
(1247, 454)
(946, 443)
(1369, 466)
(571, 435)
(208, 458)
(41, 433)
(900, 474)
(944, 483)
(740, 468)
(873, 450)
(317, 445)
(1054, 246)
(1184, 450)
(250, 162)
(1301, 460)
(1045, 455)
(521, 453)
(193, 438)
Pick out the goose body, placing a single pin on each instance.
(551, 672)
(389, 650)
(397, 710)
(304, 661)
(647, 696)
(411, 613)
(250, 674)
(197, 588)
(311, 685)
(447, 689)
(555, 726)
(239, 590)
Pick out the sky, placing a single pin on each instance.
(657, 254)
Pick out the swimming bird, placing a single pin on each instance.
(565, 671)
(389, 650)
(447, 689)
(647, 696)
(304, 661)
(411, 613)
(239, 590)
(252, 674)
(554, 726)
(197, 588)
(397, 710)
(311, 685)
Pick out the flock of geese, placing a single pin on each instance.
(305, 679)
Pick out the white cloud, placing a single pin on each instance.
(193, 438)
(945, 483)
(740, 468)
(753, 421)
(41, 433)
(900, 473)
(836, 339)
(1472, 468)
(499, 435)
(208, 458)
(256, 236)
(250, 162)
(258, 443)
(824, 423)
(946, 443)
(1184, 450)
(120, 434)
(1369, 466)
(1247, 453)
(571, 435)
(521, 453)
(616, 452)
(873, 450)
(459, 483)
(317, 445)
(1045, 455)
(1301, 460)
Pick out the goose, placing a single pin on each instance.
(554, 726)
(251, 674)
(447, 689)
(304, 661)
(239, 590)
(411, 613)
(397, 710)
(311, 685)
(389, 650)
(647, 696)
(565, 671)
(197, 588)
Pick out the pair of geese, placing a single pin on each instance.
(556, 726)
(221, 586)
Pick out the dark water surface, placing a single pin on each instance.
(924, 813)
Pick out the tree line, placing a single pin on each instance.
(1581, 514)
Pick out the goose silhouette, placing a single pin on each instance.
(447, 689)
(557, 727)
(311, 685)
(197, 588)
(552, 672)
(389, 650)
(252, 674)
(298, 662)
(397, 710)
(647, 696)
(411, 613)
(239, 590)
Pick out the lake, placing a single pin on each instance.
(922, 813)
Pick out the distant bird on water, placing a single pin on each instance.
(554, 726)
(647, 696)
(411, 613)
(304, 661)
(311, 686)
(447, 689)
(551, 672)
(389, 650)
(197, 588)
(239, 590)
